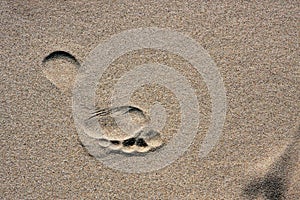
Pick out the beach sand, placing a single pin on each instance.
(255, 47)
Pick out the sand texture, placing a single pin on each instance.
(255, 47)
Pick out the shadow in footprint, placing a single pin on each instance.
(61, 55)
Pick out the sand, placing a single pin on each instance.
(254, 46)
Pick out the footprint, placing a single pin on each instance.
(143, 139)
(61, 69)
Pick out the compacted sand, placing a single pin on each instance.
(255, 47)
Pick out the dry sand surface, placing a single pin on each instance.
(255, 47)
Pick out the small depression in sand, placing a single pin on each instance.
(60, 68)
